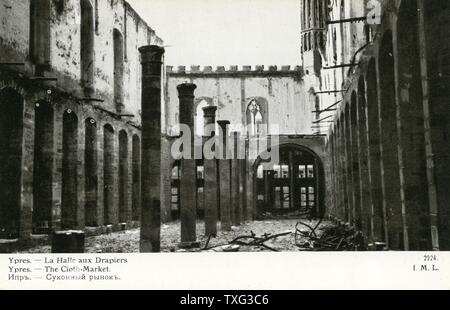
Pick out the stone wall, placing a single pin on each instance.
(281, 89)
(68, 178)
(389, 157)
(64, 40)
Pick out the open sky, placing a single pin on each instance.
(225, 32)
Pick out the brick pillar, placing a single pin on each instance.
(235, 200)
(151, 59)
(225, 186)
(211, 188)
(188, 179)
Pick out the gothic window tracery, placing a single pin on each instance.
(254, 111)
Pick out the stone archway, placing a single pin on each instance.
(43, 168)
(295, 184)
(69, 206)
(374, 155)
(124, 212)
(109, 176)
(11, 140)
(136, 178)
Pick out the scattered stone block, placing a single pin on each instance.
(69, 241)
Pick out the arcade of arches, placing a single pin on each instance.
(294, 185)
(60, 168)
(390, 145)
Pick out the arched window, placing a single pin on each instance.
(40, 34)
(255, 117)
(321, 13)
(118, 69)
(308, 12)
(87, 45)
(304, 15)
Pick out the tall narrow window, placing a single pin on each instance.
(304, 15)
(40, 34)
(308, 13)
(96, 18)
(320, 13)
(118, 70)
(87, 46)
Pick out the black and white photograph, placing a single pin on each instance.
(224, 126)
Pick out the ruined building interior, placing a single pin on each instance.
(89, 113)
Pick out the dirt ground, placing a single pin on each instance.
(128, 241)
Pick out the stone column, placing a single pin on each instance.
(151, 59)
(266, 191)
(224, 179)
(188, 179)
(249, 182)
(242, 185)
(210, 164)
(235, 185)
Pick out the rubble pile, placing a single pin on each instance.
(327, 238)
(282, 235)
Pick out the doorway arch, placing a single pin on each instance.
(295, 184)
(11, 140)
(109, 176)
(43, 168)
(69, 205)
